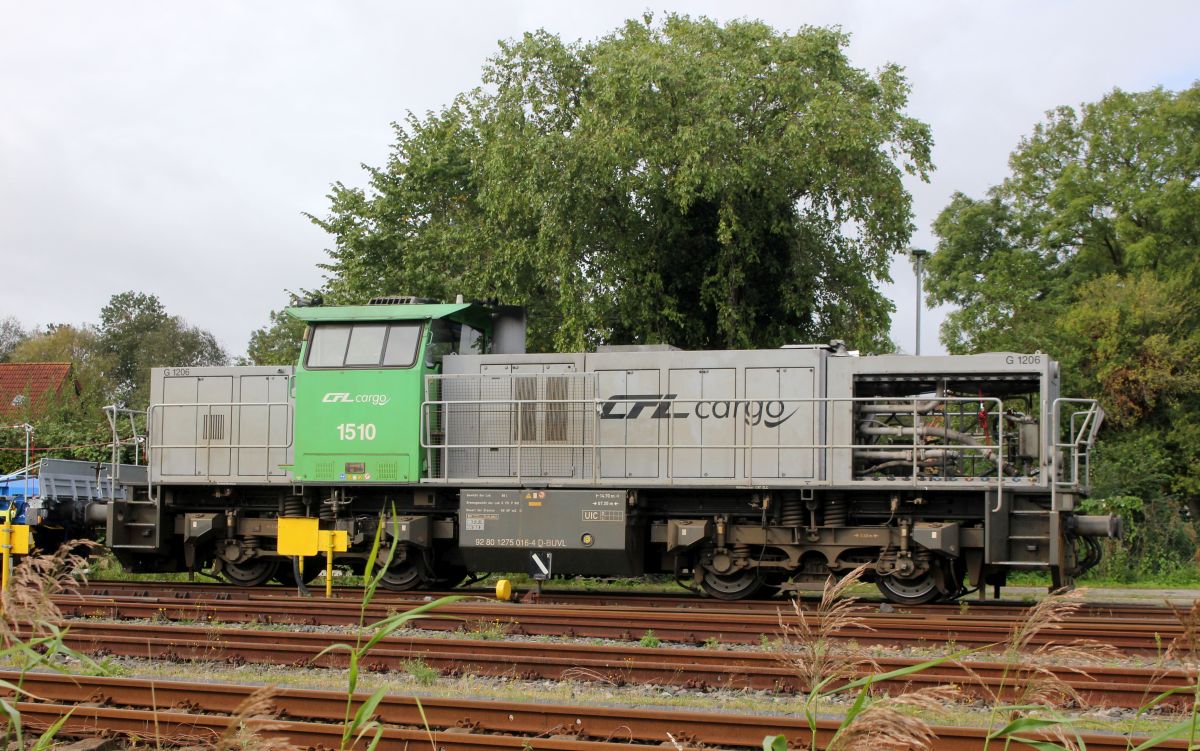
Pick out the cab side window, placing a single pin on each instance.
(446, 339)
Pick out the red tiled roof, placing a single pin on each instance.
(34, 381)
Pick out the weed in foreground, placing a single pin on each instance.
(809, 645)
(30, 635)
(358, 723)
(252, 721)
(1185, 649)
(1030, 694)
(827, 668)
(422, 673)
(649, 640)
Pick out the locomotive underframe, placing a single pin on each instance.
(931, 545)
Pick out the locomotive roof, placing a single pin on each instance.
(470, 313)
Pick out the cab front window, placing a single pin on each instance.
(364, 345)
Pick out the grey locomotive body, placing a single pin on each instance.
(770, 468)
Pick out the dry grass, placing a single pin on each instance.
(1027, 680)
(809, 644)
(28, 605)
(254, 716)
(894, 723)
(826, 666)
(1186, 647)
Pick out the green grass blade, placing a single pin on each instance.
(331, 648)
(1021, 725)
(46, 740)
(362, 718)
(1182, 726)
(374, 554)
(1039, 745)
(775, 743)
(388, 625)
(425, 722)
(1166, 695)
(901, 672)
(14, 721)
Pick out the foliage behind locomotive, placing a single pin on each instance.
(733, 470)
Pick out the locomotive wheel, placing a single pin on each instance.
(917, 591)
(254, 572)
(401, 577)
(731, 586)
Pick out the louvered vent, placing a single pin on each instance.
(387, 471)
(525, 392)
(401, 300)
(324, 471)
(213, 428)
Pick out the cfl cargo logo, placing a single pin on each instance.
(344, 397)
(768, 413)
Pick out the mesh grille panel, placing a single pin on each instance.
(510, 426)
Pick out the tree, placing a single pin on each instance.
(1110, 190)
(686, 181)
(277, 343)
(137, 334)
(1088, 250)
(12, 334)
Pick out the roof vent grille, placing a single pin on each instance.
(401, 300)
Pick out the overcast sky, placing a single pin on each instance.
(171, 147)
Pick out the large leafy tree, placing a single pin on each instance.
(277, 343)
(136, 334)
(686, 181)
(1090, 250)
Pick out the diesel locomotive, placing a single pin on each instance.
(737, 472)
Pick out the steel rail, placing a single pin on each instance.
(147, 706)
(697, 669)
(626, 624)
(199, 590)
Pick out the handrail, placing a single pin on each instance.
(208, 445)
(744, 437)
(1082, 429)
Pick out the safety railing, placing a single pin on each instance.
(118, 418)
(209, 441)
(1071, 459)
(517, 425)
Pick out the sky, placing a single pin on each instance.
(173, 148)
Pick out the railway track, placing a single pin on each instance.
(172, 709)
(697, 669)
(1133, 636)
(652, 600)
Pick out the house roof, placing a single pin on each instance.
(32, 381)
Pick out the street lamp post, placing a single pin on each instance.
(918, 259)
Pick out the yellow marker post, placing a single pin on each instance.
(6, 547)
(332, 541)
(14, 540)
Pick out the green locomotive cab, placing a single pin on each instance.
(360, 382)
